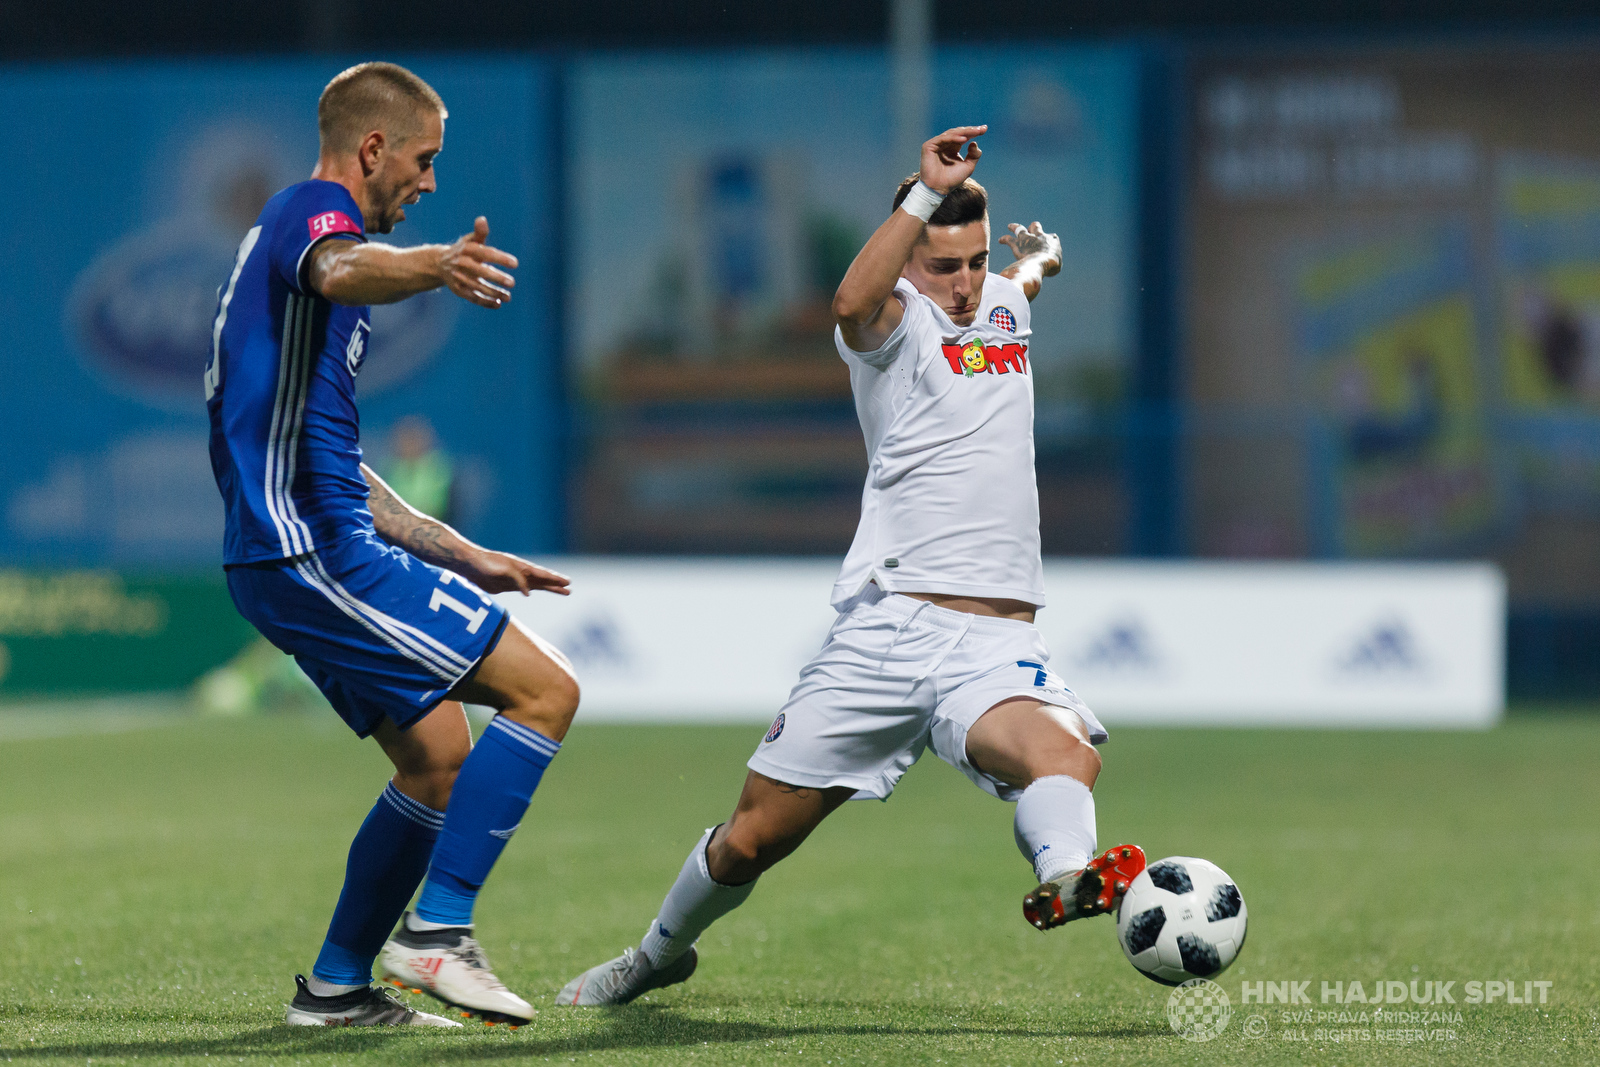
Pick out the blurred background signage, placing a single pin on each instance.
(1281, 644)
(1320, 302)
(109, 315)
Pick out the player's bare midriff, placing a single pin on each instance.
(993, 606)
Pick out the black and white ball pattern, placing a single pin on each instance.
(1182, 918)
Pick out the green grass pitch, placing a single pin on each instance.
(159, 888)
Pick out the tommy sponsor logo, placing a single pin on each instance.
(331, 222)
(974, 357)
(1002, 317)
(777, 728)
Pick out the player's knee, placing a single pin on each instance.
(737, 855)
(429, 785)
(1089, 758)
(434, 762)
(441, 781)
(558, 700)
(565, 694)
(1065, 753)
(448, 766)
(547, 706)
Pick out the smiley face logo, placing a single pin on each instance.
(973, 358)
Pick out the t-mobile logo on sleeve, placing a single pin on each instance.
(331, 222)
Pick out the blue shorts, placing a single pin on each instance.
(381, 632)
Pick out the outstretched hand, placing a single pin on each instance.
(944, 166)
(468, 269)
(501, 572)
(1025, 241)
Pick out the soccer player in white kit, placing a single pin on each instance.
(934, 641)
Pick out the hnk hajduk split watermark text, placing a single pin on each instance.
(1390, 991)
(1381, 1010)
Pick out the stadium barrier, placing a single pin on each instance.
(88, 631)
(1298, 644)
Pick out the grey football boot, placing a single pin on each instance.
(621, 980)
(363, 1007)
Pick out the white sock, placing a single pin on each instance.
(1055, 825)
(417, 924)
(318, 988)
(694, 902)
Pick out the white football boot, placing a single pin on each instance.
(363, 1007)
(620, 980)
(450, 965)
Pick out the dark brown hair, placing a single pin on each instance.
(373, 96)
(967, 202)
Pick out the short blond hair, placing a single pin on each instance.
(373, 96)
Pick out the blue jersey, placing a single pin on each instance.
(280, 386)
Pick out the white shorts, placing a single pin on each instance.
(895, 674)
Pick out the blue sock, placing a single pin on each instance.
(387, 859)
(490, 797)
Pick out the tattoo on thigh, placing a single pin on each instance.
(785, 787)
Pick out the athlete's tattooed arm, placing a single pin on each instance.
(433, 542)
(1038, 256)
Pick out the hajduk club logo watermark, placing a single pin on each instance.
(1199, 1010)
(1386, 1011)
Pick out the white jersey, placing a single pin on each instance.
(951, 504)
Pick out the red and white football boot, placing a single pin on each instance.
(1094, 890)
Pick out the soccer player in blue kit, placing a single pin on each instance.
(384, 608)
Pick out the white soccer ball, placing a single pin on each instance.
(1182, 918)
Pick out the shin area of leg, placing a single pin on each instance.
(695, 901)
(1055, 826)
(1045, 750)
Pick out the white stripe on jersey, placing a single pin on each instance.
(300, 386)
(285, 358)
(214, 370)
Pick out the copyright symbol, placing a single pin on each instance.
(1255, 1026)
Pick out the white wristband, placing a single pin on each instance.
(921, 201)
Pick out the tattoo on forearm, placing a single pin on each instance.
(425, 538)
(434, 542)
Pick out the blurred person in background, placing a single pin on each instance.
(418, 471)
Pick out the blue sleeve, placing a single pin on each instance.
(313, 213)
